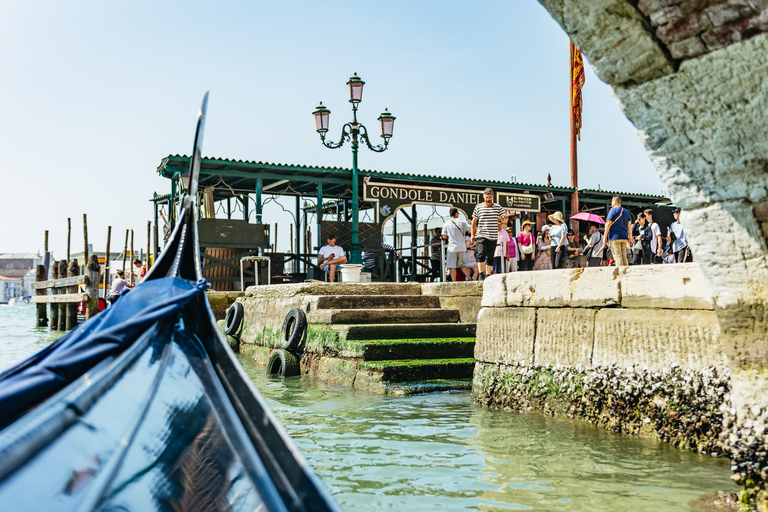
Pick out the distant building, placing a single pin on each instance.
(19, 267)
(9, 288)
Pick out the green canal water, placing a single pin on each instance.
(441, 452)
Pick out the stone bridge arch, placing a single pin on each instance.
(692, 76)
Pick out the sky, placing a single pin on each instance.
(95, 94)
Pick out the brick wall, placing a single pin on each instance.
(689, 28)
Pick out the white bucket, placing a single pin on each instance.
(350, 273)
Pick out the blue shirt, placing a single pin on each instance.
(620, 218)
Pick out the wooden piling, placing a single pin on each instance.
(62, 324)
(133, 257)
(42, 317)
(69, 236)
(92, 271)
(47, 257)
(125, 249)
(107, 268)
(71, 317)
(148, 263)
(85, 240)
(54, 307)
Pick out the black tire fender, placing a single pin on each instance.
(294, 328)
(234, 319)
(283, 363)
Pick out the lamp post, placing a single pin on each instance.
(354, 132)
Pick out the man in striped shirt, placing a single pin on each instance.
(485, 229)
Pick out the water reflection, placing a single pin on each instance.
(439, 451)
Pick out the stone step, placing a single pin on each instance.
(382, 350)
(382, 316)
(377, 301)
(408, 370)
(404, 331)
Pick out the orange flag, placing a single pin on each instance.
(578, 83)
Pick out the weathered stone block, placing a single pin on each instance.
(505, 335)
(468, 307)
(614, 36)
(761, 211)
(648, 7)
(722, 14)
(720, 37)
(657, 338)
(595, 287)
(564, 336)
(691, 47)
(541, 289)
(495, 291)
(460, 289)
(666, 286)
(684, 28)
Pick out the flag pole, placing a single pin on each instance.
(574, 157)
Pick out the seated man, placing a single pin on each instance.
(330, 256)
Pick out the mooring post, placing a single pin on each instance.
(62, 324)
(42, 317)
(54, 307)
(72, 271)
(148, 263)
(47, 257)
(85, 240)
(107, 269)
(130, 262)
(92, 271)
(69, 235)
(125, 249)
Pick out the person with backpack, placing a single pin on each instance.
(679, 240)
(641, 250)
(453, 232)
(657, 246)
(618, 230)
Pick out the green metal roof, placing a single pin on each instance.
(240, 176)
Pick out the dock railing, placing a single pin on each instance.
(66, 292)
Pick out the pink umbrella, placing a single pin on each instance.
(589, 217)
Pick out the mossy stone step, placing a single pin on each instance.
(381, 350)
(409, 370)
(426, 386)
(377, 301)
(382, 316)
(404, 331)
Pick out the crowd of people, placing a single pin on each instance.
(490, 245)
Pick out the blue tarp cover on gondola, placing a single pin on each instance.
(108, 333)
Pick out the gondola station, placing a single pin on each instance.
(398, 334)
(234, 192)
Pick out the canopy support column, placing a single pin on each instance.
(259, 185)
(319, 212)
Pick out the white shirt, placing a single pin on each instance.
(327, 250)
(680, 241)
(656, 231)
(454, 229)
(118, 285)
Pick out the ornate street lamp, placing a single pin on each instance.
(354, 131)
